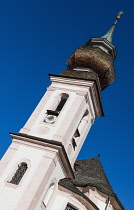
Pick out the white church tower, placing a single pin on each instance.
(37, 172)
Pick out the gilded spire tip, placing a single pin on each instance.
(118, 16)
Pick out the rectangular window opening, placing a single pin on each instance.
(74, 143)
(70, 207)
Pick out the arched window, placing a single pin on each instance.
(19, 173)
(74, 143)
(62, 102)
(80, 128)
(49, 194)
(83, 121)
(52, 114)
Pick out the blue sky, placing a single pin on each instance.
(36, 38)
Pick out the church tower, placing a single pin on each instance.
(39, 170)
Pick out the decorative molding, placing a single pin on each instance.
(71, 81)
(68, 90)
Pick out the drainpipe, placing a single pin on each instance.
(108, 199)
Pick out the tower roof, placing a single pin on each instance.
(109, 34)
(89, 172)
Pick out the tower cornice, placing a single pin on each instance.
(46, 143)
(70, 78)
(103, 44)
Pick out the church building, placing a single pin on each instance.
(39, 171)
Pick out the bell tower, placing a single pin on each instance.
(45, 149)
(67, 110)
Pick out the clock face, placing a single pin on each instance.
(50, 118)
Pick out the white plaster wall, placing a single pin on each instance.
(41, 164)
(67, 120)
(80, 140)
(99, 198)
(54, 178)
(31, 121)
(62, 199)
(46, 130)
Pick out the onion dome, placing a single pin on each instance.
(98, 55)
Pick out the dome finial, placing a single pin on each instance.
(109, 34)
(118, 16)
